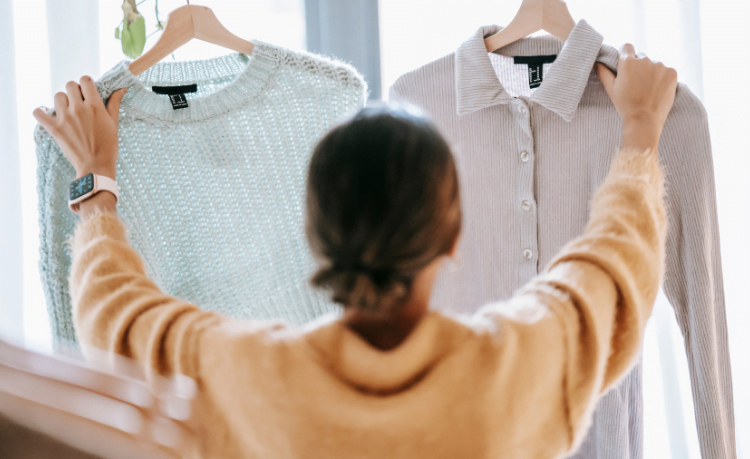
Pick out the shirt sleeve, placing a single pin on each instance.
(693, 277)
(577, 329)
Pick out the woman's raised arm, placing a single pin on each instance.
(573, 332)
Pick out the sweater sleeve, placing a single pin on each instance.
(56, 224)
(116, 307)
(625, 238)
(574, 331)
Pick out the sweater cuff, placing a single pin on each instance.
(96, 225)
(639, 164)
(611, 241)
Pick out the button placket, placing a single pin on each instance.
(527, 248)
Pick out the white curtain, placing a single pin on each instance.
(45, 43)
(11, 312)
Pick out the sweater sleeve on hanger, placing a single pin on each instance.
(693, 278)
(54, 174)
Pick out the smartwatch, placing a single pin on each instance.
(87, 186)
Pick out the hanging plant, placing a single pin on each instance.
(132, 30)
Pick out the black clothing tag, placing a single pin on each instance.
(536, 67)
(178, 101)
(169, 90)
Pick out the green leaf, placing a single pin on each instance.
(133, 38)
(117, 33)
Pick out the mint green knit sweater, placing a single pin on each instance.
(212, 194)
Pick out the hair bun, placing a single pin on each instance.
(360, 268)
(362, 286)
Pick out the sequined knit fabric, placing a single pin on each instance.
(212, 194)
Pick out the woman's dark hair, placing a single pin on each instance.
(382, 203)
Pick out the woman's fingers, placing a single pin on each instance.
(74, 93)
(606, 76)
(83, 129)
(45, 119)
(90, 94)
(672, 73)
(113, 105)
(61, 103)
(627, 50)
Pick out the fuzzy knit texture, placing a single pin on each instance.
(529, 160)
(518, 379)
(212, 194)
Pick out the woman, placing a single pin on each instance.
(390, 378)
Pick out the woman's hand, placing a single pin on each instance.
(84, 129)
(643, 93)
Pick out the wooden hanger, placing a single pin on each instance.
(534, 15)
(184, 24)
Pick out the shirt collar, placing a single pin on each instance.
(478, 87)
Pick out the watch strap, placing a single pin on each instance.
(101, 183)
(104, 183)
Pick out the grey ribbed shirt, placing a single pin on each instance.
(530, 160)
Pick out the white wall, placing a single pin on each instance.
(73, 25)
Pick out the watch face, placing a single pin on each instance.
(81, 186)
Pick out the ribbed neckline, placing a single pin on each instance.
(251, 75)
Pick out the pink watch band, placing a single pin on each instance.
(101, 183)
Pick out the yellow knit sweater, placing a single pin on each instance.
(516, 380)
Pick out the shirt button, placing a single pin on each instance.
(526, 205)
(527, 254)
(522, 109)
(525, 156)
